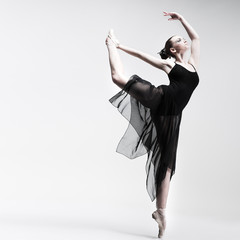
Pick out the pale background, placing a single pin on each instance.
(60, 177)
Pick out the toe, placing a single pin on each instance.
(111, 32)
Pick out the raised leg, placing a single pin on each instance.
(116, 66)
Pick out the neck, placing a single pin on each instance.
(181, 58)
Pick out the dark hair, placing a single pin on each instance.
(165, 52)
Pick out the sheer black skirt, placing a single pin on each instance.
(153, 128)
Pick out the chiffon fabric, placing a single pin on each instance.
(154, 116)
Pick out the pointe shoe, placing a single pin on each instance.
(113, 38)
(160, 233)
(159, 217)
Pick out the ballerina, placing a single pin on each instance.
(154, 113)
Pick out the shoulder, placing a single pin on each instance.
(193, 63)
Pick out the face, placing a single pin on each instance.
(179, 44)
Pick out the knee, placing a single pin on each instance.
(119, 79)
(116, 77)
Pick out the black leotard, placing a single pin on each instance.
(154, 115)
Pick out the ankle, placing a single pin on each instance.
(162, 211)
(112, 46)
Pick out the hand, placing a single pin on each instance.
(173, 15)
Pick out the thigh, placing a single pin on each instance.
(144, 91)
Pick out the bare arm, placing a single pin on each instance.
(195, 46)
(156, 62)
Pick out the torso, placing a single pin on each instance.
(182, 84)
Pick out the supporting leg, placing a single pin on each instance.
(161, 199)
(161, 202)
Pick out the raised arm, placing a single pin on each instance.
(195, 46)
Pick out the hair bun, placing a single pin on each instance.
(163, 54)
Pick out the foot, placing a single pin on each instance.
(160, 218)
(113, 38)
(109, 42)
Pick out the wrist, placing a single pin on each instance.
(119, 46)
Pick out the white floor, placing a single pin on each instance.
(122, 225)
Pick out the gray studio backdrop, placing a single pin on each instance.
(59, 133)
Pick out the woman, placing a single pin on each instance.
(154, 113)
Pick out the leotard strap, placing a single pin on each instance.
(194, 68)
